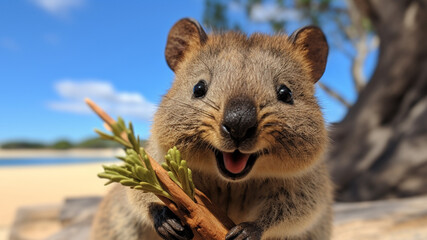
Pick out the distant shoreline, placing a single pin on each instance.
(74, 153)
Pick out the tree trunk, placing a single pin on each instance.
(379, 150)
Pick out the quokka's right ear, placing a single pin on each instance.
(312, 44)
(184, 35)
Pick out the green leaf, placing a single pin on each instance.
(165, 166)
(178, 171)
(104, 135)
(130, 183)
(105, 175)
(143, 174)
(108, 183)
(119, 170)
(119, 178)
(122, 142)
(175, 179)
(137, 171)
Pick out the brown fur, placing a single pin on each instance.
(288, 191)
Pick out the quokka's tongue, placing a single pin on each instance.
(235, 162)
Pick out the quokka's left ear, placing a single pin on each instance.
(312, 43)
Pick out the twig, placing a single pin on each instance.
(202, 215)
(335, 95)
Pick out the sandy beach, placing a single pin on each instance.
(40, 185)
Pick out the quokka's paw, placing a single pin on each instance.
(244, 231)
(168, 225)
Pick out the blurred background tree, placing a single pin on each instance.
(62, 144)
(379, 150)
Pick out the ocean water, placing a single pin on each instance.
(9, 162)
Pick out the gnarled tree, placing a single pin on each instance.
(379, 150)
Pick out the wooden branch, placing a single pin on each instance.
(360, 44)
(206, 220)
(334, 94)
(362, 51)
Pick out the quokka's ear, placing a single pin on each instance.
(312, 43)
(185, 34)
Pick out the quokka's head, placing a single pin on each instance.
(243, 106)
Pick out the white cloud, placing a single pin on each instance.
(105, 95)
(268, 12)
(58, 7)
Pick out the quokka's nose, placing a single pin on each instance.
(240, 119)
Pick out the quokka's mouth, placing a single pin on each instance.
(235, 165)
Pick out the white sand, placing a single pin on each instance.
(26, 186)
(40, 185)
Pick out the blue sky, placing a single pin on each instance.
(53, 53)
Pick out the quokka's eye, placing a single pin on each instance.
(200, 89)
(284, 94)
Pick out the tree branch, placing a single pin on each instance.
(358, 62)
(360, 42)
(206, 220)
(334, 95)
